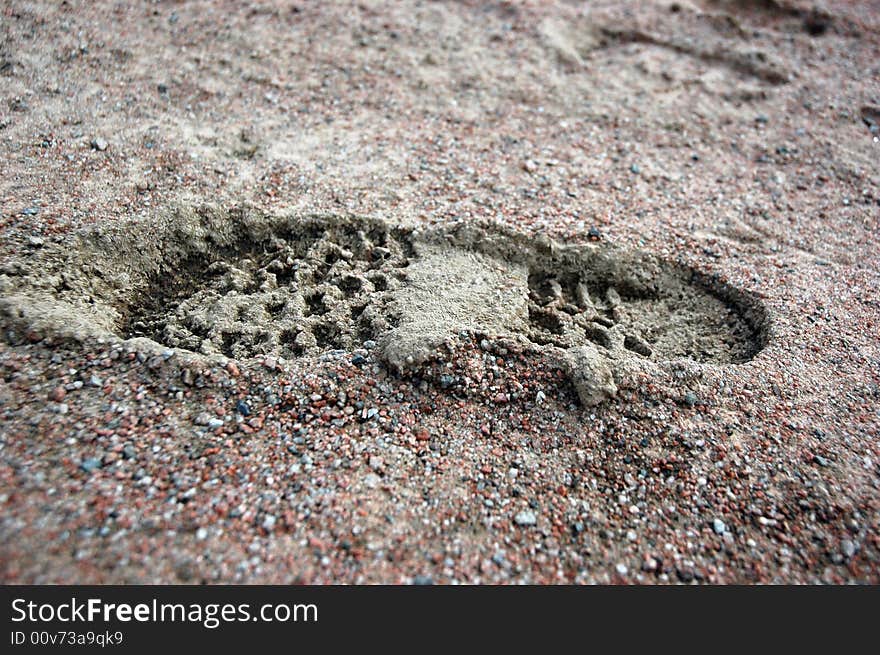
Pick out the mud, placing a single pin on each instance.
(245, 284)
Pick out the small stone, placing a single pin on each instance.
(358, 359)
(375, 463)
(635, 169)
(594, 234)
(35, 242)
(540, 397)
(848, 548)
(99, 144)
(269, 522)
(423, 580)
(422, 434)
(622, 569)
(188, 377)
(57, 394)
(530, 166)
(129, 452)
(201, 534)
(525, 518)
(214, 423)
(243, 408)
(96, 381)
(649, 565)
(718, 526)
(690, 399)
(90, 465)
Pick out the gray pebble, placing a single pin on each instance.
(526, 518)
(90, 465)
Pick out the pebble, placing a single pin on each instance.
(90, 465)
(525, 518)
(99, 143)
(718, 526)
(57, 394)
(243, 408)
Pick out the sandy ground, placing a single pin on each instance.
(736, 138)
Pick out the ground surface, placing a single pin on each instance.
(736, 138)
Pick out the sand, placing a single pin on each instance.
(439, 292)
